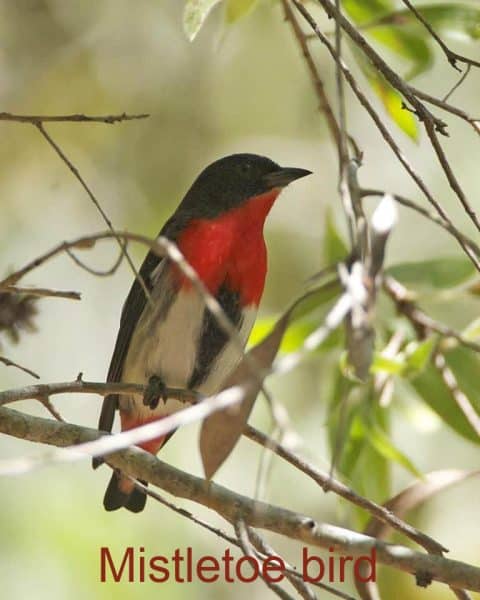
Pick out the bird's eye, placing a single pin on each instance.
(245, 168)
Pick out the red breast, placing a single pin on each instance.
(230, 248)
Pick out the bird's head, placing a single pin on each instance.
(232, 181)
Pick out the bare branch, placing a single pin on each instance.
(380, 125)
(324, 480)
(76, 118)
(452, 57)
(445, 224)
(9, 363)
(41, 292)
(97, 272)
(141, 465)
(76, 173)
(162, 247)
(328, 483)
(318, 85)
(443, 104)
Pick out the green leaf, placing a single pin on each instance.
(346, 435)
(316, 299)
(418, 354)
(472, 331)
(437, 273)
(372, 480)
(236, 9)
(385, 447)
(334, 247)
(383, 364)
(194, 15)
(407, 44)
(299, 327)
(450, 18)
(465, 364)
(430, 387)
(366, 10)
(293, 338)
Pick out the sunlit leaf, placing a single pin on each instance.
(472, 331)
(292, 339)
(194, 15)
(390, 98)
(312, 301)
(366, 10)
(236, 9)
(417, 354)
(295, 335)
(437, 273)
(383, 364)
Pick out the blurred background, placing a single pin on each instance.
(241, 88)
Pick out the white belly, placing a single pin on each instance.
(166, 347)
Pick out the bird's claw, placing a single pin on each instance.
(155, 390)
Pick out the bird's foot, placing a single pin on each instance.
(155, 390)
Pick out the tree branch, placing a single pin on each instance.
(75, 118)
(232, 506)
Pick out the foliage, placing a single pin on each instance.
(396, 30)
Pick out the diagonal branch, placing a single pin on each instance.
(323, 479)
(452, 57)
(383, 129)
(76, 173)
(229, 505)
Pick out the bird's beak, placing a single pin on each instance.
(283, 176)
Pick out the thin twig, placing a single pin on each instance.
(452, 57)
(444, 105)
(445, 224)
(406, 306)
(263, 549)
(432, 124)
(45, 400)
(42, 292)
(97, 272)
(458, 84)
(9, 363)
(381, 127)
(289, 571)
(242, 537)
(76, 118)
(318, 85)
(161, 246)
(92, 197)
(328, 483)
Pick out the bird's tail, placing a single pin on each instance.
(121, 493)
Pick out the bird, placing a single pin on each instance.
(171, 339)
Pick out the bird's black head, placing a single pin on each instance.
(232, 180)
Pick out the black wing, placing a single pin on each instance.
(132, 309)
